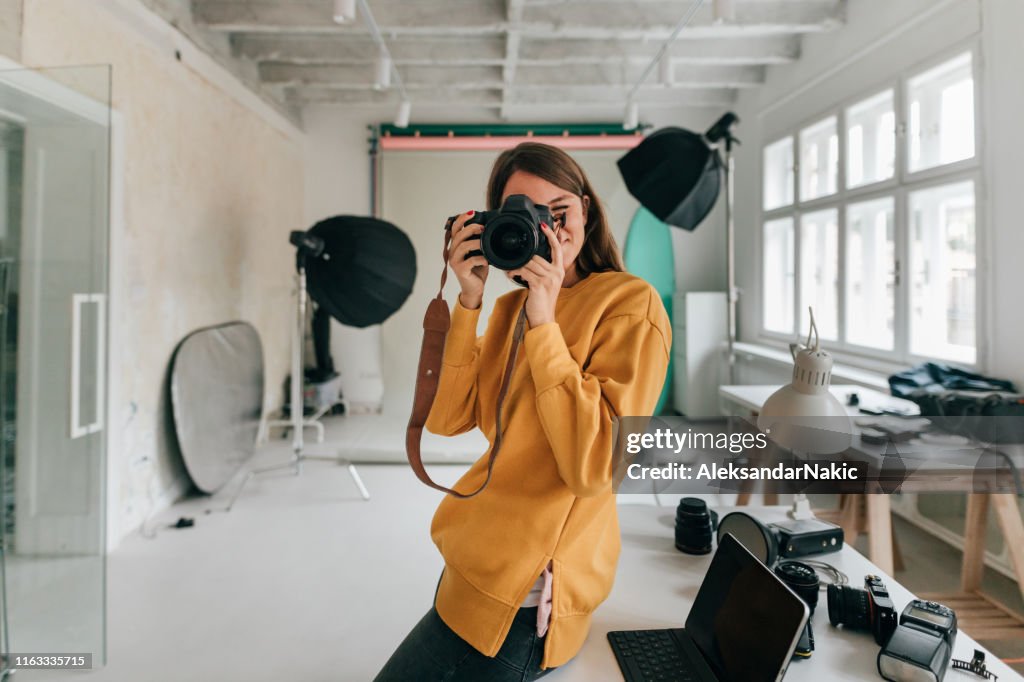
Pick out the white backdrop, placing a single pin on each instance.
(419, 190)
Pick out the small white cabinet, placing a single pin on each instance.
(698, 336)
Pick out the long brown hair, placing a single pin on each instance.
(599, 251)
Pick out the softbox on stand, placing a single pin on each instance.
(360, 270)
(675, 175)
(364, 272)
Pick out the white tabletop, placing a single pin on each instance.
(656, 585)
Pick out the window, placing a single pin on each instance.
(819, 157)
(819, 271)
(885, 253)
(779, 273)
(870, 140)
(871, 273)
(941, 107)
(778, 176)
(942, 272)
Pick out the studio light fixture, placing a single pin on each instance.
(344, 11)
(632, 116)
(385, 67)
(631, 119)
(402, 116)
(803, 415)
(383, 77)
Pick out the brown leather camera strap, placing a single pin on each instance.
(436, 323)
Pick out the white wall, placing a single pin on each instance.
(879, 40)
(212, 184)
(1002, 112)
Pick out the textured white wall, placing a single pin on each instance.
(10, 28)
(211, 190)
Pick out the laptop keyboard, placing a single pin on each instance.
(650, 655)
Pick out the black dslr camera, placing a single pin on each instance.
(512, 235)
(921, 646)
(869, 609)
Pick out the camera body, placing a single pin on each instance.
(806, 537)
(512, 235)
(922, 644)
(869, 609)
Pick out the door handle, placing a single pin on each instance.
(77, 302)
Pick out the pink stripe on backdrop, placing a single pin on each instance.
(504, 142)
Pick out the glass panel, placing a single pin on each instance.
(778, 269)
(870, 140)
(942, 264)
(54, 152)
(940, 103)
(819, 160)
(778, 174)
(819, 271)
(870, 274)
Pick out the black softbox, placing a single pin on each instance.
(675, 175)
(365, 271)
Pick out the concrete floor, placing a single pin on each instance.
(304, 581)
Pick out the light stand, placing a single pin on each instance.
(306, 246)
(721, 132)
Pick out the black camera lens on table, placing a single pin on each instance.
(512, 235)
(803, 580)
(869, 609)
(695, 526)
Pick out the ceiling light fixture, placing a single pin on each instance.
(631, 119)
(386, 63)
(383, 79)
(631, 106)
(402, 115)
(344, 11)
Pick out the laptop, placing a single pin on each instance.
(743, 627)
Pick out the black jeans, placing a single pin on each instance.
(432, 652)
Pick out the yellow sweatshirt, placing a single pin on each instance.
(550, 498)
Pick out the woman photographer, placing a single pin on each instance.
(529, 558)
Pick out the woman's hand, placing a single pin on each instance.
(471, 272)
(545, 280)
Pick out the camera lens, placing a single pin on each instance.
(694, 526)
(800, 578)
(848, 606)
(508, 243)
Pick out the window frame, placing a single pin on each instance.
(902, 183)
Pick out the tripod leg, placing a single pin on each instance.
(358, 481)
(231, 503)
(294, 463)
(239, 491)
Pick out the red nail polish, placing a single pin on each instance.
(545, 226)
(471, 213)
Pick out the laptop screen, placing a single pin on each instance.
(744, 620)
